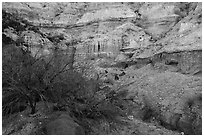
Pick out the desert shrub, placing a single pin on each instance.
(27, 80)
(81, 96)
(85, 99)
(21, 82)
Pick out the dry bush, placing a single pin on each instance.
(22, 79)
(27, 80)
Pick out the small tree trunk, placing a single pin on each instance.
(32, 106)
(72, 51)
(32, 110)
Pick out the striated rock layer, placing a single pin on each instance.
(111, 26)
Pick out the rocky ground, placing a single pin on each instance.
(152, 51)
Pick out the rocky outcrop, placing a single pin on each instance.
(107, 28)
(159, 17)
(182, 45)
(186, 62)
(107, 12)
(41, 13)
(126, 38)
(38, 46)
(46, 121)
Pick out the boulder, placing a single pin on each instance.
(121, 58)
(64, 125)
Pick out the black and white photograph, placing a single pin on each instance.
(101, 68)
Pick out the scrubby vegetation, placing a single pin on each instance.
(28, 80)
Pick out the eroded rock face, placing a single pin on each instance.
(106, 28)
(41, 13)
(159, 17)
(187, 62)
(183, 36)
(36, 44)
(107, 12)
(126, 38)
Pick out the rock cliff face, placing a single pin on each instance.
(154, 50)
(114, 28)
